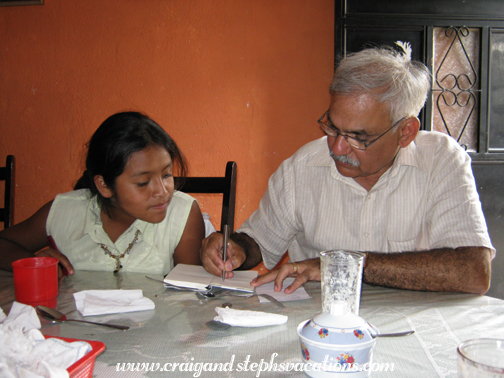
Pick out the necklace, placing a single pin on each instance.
(126, 252)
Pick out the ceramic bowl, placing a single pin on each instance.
(337, 344)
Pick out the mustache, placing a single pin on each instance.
(345, 159)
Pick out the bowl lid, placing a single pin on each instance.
(338, 327)
(339, 317)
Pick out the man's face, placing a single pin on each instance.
(363, 118)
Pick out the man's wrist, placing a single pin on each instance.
(250, 248)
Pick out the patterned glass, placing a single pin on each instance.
(456, 84)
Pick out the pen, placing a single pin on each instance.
(52, 244)
(224, 252)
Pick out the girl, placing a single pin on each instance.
(124, 214)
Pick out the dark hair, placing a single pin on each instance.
(112, 144)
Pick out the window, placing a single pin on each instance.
(463, 45)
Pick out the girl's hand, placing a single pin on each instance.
(64, 263)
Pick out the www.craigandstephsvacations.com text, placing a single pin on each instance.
(247, 365)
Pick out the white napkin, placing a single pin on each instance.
(99, 302)
(22, 315)
(242, 318)
(26, 353)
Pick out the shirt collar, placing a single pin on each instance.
(407, 156)
(93, 220)
(323, 157)
(94, 227)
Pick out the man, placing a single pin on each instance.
(375, 184)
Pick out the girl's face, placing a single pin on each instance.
(145, 188)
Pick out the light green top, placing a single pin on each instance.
(75, 224)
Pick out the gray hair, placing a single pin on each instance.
(389, 75)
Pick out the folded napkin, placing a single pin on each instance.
(26, 353)
(242, 318)
(99, 302)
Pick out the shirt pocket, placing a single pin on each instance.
(402, 246)
(404, 233)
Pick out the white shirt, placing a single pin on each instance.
(75, 224)
(427, 199)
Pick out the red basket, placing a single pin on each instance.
(84, 367)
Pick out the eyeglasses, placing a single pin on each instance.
(360, 144)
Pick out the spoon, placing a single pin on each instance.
(396, 334)
(246, 295)
(211, 294)
(56, 317)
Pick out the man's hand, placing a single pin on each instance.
(304, 271)
(211, 255)
(63, 261)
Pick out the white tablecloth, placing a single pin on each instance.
(175, 332)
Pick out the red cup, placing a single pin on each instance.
(36, 281)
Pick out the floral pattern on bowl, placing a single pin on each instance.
(341, 336)
(358, 333)
(323, 332)
(337, 340)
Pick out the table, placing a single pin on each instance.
(175, 332)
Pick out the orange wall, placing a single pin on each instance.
(241, 80)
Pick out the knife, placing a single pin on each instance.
(271, 299)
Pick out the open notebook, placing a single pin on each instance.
(196, 277)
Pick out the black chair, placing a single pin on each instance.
(225, 185)
(7, 175)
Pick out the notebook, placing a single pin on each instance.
(196, 277)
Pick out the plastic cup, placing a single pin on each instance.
(481, 358)
(36, 281)
(341, 278)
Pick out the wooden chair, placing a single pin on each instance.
(224, 184)
(7, 175)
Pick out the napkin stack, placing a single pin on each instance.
(242, 318)
(100, 302)
(25, 352)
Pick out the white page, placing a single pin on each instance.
(190, 276)
(240, 281)
(195, 276)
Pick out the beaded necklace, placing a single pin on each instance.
(126, 252)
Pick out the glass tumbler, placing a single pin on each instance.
(341, 278)
(481, 358)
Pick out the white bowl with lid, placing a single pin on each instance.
(337, 343)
